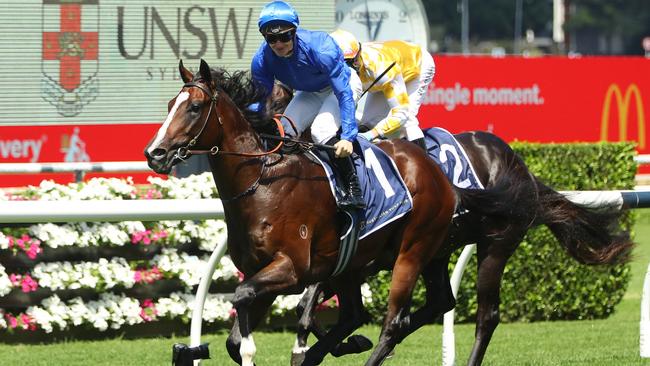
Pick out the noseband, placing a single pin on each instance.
(185, 152)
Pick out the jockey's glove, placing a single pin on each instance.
(343, 149)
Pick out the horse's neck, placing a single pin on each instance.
(234, 174)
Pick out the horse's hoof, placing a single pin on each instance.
(297, 358)
(354, 344)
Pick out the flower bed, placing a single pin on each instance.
(101, 277)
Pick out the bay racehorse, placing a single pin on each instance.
(590, 236)
(283, 226)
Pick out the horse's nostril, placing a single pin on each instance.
(159, 152)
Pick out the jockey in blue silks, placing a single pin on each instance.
(312, 64)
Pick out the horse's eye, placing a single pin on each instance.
(195, 108)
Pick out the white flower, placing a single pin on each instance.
(366, 294)
(283, 304)
(55, 236)
(5, 282)
(4, 241)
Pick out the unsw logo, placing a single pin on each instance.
(70, 50)
(623, 101)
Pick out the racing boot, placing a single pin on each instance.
(349, 182)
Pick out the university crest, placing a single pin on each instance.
(70, 54)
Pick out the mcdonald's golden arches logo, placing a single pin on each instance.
(623, 104)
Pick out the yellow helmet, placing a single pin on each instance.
(348, 43)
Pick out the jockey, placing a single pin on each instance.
(393, 111)
(312, 64)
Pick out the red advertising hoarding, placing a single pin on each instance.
(72, 143)
(546, 99)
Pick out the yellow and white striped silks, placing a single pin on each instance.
(376, 57)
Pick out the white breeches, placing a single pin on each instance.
(376, 108)
(321, 107)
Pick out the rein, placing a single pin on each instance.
(185, 152)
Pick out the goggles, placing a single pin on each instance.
(282, 37)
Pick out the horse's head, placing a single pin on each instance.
(191, 121)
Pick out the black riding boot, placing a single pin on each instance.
(349, 182)
(420, 142)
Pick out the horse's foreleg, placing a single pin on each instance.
(490, 271)
(253, 295)
(255, 313)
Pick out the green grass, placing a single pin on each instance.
(613, 341)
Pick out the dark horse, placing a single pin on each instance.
(590, 236)
(283, 226)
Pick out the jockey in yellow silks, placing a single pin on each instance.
(393, 102)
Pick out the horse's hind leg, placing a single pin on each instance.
(491, 264)
(406, 271)
(351, 316)
(307, 321)
(439, 296)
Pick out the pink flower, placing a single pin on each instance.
(148, 310)
(152, 194)
(13, 322)
(29, 284)
(332, 302)
(15, 279)
(34, 250)
(27, 322)
(147, 303)
(136, 237)
(148, 276)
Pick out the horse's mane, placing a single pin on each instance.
(243, 91)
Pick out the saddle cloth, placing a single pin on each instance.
(443, 148)
(384, 191)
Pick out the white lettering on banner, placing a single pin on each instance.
(19, 149)
(458, 95)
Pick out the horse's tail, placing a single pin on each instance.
(591, 236)
(512, 201)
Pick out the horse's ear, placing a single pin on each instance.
(206, 74)
(186, 75)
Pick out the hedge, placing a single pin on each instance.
(541, 281)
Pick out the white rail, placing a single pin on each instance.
(110, 211)
(110, 166)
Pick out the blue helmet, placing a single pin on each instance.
(277, 12)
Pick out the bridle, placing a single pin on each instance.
(186, 151)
